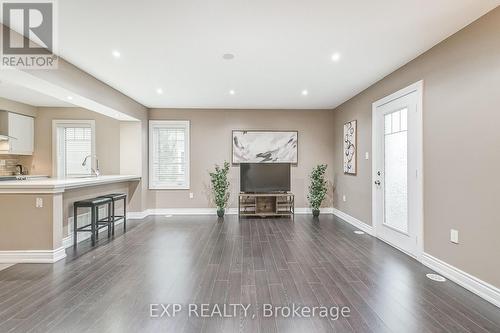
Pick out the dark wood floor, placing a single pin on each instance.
(196, 259)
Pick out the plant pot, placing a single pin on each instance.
(220, 212)
(315, 212)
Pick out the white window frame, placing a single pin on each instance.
(58, 123)
(184, 124)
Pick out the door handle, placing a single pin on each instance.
(377, 182)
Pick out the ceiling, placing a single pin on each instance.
(27, 96)
(280, 47)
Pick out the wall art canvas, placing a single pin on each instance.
(350, 147)
(265, 146)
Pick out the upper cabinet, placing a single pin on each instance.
(17, 138)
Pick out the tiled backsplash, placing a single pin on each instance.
(8, 165)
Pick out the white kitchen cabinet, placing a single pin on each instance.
(22, 132)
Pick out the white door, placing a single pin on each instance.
(397, 169)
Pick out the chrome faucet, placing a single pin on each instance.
(20, 170)
(95, 172)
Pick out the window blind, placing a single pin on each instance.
(77, 145)
(169, 160)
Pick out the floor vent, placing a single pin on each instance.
(435, 277)
(359, 232)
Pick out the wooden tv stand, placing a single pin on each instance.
(266, 204)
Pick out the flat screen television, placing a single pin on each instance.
(264, 177)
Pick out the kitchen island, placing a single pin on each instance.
(36, 214)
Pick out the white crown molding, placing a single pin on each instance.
(33, 256)
(477, 286)
(354, 221)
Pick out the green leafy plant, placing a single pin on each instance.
(317, 188)
(220, 187)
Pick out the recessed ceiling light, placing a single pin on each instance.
(159, 91)
(232, 92)
(336, 57)
(228, 56)
(69, 98)
(116, 54)
(305, 92)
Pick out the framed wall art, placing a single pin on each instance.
(350, 147)
(254, 146)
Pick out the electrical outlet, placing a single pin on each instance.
(191, 195)
(454, 236)
(367, 156)
(39, 203)
(344, 199)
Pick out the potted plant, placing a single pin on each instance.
(220, 187)
(317, 188)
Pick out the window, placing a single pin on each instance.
(168, 154)
(73, 141)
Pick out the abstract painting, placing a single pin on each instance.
(265, 146)
(350, 147)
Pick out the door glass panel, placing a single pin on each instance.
(396, 166)
(404, 119)
(388, 124)
(396, 121)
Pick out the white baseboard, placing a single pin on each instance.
(188, 211)
(483, 289)
(32, 256)
(137, 215)
(304, 211)
(204, 211)
(353, 221)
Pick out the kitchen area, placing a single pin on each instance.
(54, 153)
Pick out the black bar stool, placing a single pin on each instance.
(115, 218)
(95, 223)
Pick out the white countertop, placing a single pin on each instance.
(60, 184)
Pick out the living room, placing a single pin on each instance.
(249, 167)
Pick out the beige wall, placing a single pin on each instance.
(24, 227)
(133, 159)
(211, 144)
(461, 146)
(107, 138)
(21, 108)
(130, 144)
